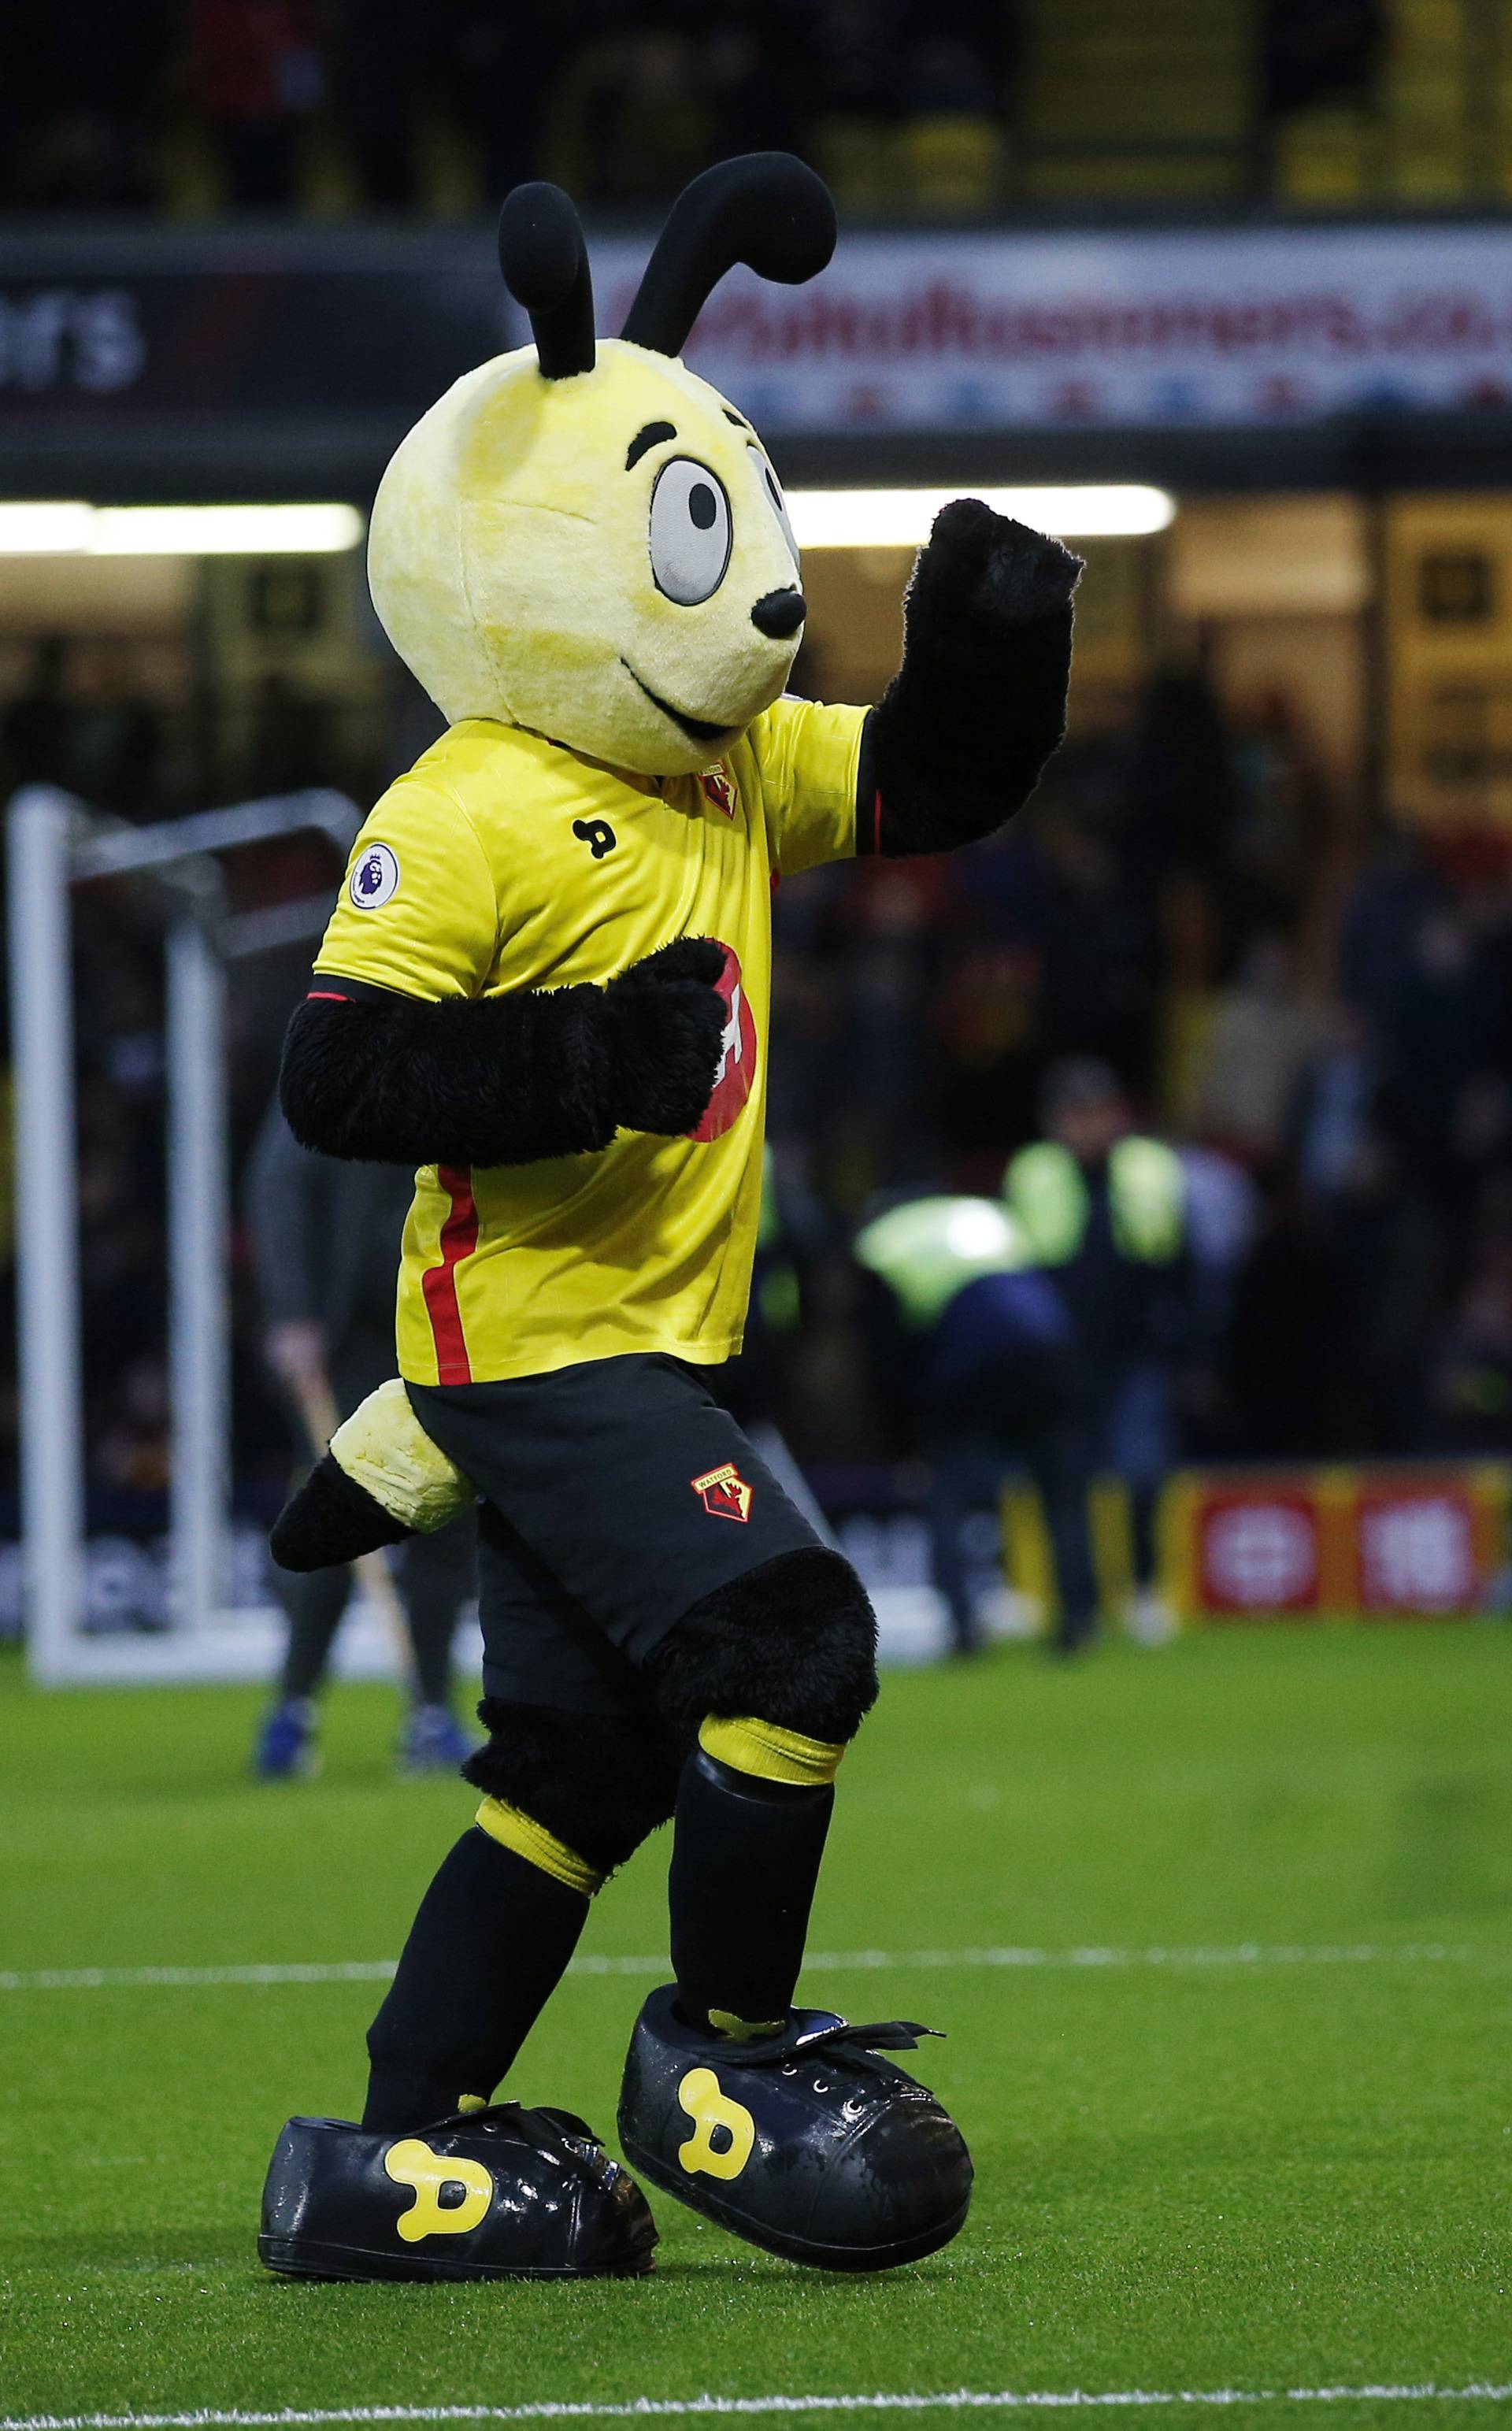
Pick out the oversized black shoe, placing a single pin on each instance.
(502, 2193)
(812, 2142)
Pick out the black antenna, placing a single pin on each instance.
(766, 209)
(544, 262)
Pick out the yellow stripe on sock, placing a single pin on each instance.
(770, 1753)
(744, 2030)
(532, 1840)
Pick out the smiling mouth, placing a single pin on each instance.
(698, 728)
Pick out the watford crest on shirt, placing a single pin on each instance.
(724, 1492)
(719, 790)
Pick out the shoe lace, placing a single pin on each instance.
(841, 2043)
(561, 2133)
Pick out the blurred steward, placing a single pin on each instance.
(1106, 1211)
(326, 1238)
(986, 1352)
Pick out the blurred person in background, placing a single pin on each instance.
(1263, 1037)
(326, 1238)
(256, 74)
(1105, 1212)
(986, 1354)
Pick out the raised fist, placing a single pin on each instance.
(981, 576)
(665, 1022)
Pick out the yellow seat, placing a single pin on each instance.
(856, 159)
(1324, 160)
(953, 164)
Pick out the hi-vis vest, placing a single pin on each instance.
(1147, 1196)
(929, 1248)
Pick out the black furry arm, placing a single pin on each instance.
(963, 731)
(508, 1080)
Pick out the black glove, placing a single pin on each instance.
(978, 703)
(666, 1024)
(981, 577)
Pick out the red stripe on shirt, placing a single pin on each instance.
(459, 1239)
(325, 995)
(876, 832)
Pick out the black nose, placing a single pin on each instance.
(779, 614)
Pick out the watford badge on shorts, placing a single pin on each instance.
(724, 1492)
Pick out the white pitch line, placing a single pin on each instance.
(379, 1971)
(882, 2402)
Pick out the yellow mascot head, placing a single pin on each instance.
(586, 539)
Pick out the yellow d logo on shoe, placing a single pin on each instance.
(413, 2164)
(714, 2114)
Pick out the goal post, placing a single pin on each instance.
(56, 843)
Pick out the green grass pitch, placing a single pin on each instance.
(1262, 2144)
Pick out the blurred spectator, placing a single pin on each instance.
(1413, 962)
(256, 73)
(1106, 1212)
(1261, 1037)
(1184, 781)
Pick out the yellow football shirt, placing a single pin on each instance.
(503, 861)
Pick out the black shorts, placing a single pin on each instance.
(616, 1495)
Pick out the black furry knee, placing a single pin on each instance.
(793, 1643)
(598, 1781)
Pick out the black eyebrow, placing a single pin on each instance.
(738, 419)
(647, 437)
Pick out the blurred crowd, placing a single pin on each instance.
(1317, 1019)
(351, 105)
(331, 108)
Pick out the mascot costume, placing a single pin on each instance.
(545, 986)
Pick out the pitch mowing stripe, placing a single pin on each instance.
(380, 1970)
(883, 2402)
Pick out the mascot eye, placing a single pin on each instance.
(779, 504)
(690, 531)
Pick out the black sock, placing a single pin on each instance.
(744, 1861)
(485, 1953)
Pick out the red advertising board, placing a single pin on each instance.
(1258, 1550)
(1420, 1548)
(1359, 1543)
